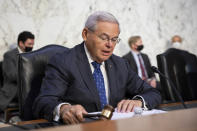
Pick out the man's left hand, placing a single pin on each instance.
(128, 105)
(153, 83)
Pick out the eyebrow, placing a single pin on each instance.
(108, 35)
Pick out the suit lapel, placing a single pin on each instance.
(144, 59)
(86, 74)
(145, 64)
(111, 79)
(133, 62)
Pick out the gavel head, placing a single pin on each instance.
(107, 112)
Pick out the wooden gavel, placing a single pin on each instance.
(106, 113)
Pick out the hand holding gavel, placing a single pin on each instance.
(106, 113)
(73, 114)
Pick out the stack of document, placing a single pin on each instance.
(117, 115)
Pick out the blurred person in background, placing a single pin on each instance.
(176, 42)
(139, 61)
(8, 92)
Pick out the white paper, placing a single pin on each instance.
(117, 115)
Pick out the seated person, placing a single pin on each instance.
(9, 90)
(89, 76)
(139, 62)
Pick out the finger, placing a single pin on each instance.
(75, 118)
(125, 105)
(137, 103)
(84, 111)
(71, 118)
(66, 122)
(130, 107)
(79, 112)
(133, 108)
(65, 119)
(119, 106)
(79, 116)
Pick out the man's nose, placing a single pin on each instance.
(110, 43)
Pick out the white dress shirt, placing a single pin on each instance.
(19, 50)
(135, 55)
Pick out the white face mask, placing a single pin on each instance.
(176, 44)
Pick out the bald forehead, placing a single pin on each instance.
(176, 39)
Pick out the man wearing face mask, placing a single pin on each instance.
(176, 42)
(9, 91)
(139, 62)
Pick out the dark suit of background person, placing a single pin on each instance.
(133, 65)
(136, 46)
(9, 66)
(69, 78)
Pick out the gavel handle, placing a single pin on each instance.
(92, 115)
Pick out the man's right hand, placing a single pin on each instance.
(72, 114)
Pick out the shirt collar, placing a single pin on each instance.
(19, 50)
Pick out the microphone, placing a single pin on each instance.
(156, 70)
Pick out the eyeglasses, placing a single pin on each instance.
(106, 38)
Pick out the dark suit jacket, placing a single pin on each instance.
(9, 90)
(69, 78)
(130, 58)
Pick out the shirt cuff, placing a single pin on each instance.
(56, 112)
(138, 97)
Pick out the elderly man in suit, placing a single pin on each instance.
(9, 66)
(89, 76)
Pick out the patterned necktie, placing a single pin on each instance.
(98, 77)
(142, 68)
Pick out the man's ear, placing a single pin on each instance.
(132, 46)
(84, 34)
(21, 45)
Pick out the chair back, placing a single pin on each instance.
(180, 67)
(31, 70)
(1, 75)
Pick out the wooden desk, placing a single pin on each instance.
(181, 120)
(161, 106)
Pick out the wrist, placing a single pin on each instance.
(63, 108)
(142, 103)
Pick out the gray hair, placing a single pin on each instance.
(100, 16)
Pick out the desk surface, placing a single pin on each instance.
(182, 120)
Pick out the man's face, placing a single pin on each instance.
(28, 43)
(100, 48)
(176, 39)
(138, 43)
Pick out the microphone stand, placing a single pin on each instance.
(154, 69)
